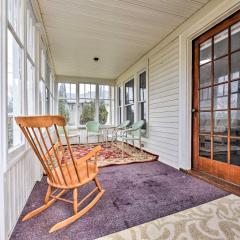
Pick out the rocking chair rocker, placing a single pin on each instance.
(63, 174)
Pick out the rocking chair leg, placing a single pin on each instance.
(43, 207)
(49, 191)
(75, 200)
(77, 215)
(98, 184)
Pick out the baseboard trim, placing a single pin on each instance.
(227, 186)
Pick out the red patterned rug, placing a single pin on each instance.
(112, 155)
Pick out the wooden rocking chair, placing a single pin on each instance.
(62, 174)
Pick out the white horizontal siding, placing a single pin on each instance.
(164, 104)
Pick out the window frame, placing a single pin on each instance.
(146, 131)
(119, 107)
(95, 98)
(133, 104)
(137, 101)
(20, 41)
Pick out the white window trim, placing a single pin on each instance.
(145, 69)
(118, 107)
(96, 99)
(11, 155)
(135, 76)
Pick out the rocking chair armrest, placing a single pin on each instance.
(91, 154)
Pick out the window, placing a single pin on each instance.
(14, 69)
(47, 101)
(42, 63)
(41, 97)
(30, 45)
(106, 104)
(119, 103)
(67, 102)
(129, 100)
(30, 88)
(30, 33)
(87, 103)
(142, 98)
(14, 89)
(21, 68)
(15, 16)
(45, 81)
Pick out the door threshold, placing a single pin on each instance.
(218, 182)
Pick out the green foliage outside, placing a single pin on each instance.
(63, 109)
(103, 113)
(88, 113)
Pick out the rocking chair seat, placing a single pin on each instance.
(87, 174)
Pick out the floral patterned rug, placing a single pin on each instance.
(112, 154)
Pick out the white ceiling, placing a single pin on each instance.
(119, 32)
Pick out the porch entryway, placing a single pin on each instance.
(216, 101)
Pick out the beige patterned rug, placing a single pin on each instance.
(216, 220)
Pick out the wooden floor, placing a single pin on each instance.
(235, 189)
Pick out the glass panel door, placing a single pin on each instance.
(216, 117)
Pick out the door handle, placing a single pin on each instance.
(194, 110)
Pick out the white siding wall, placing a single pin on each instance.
(19, 181)
(163, 103)
(169, 66)
(163, 84)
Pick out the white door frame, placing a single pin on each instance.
(205, 21)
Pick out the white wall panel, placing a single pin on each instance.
(19, 181)
(164, 103)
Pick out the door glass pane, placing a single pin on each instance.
(221, 70)
(205, 52)
(221, 44)
(235, 152)
(220, 152)
(235, 65)
(221, 122)
(235, 96)
(221, 96)
(205, 75)
(205, 99)
(235, 36)
(205, 146)
(205, 122)
(235, 123)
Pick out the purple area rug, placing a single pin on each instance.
(135, 194)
